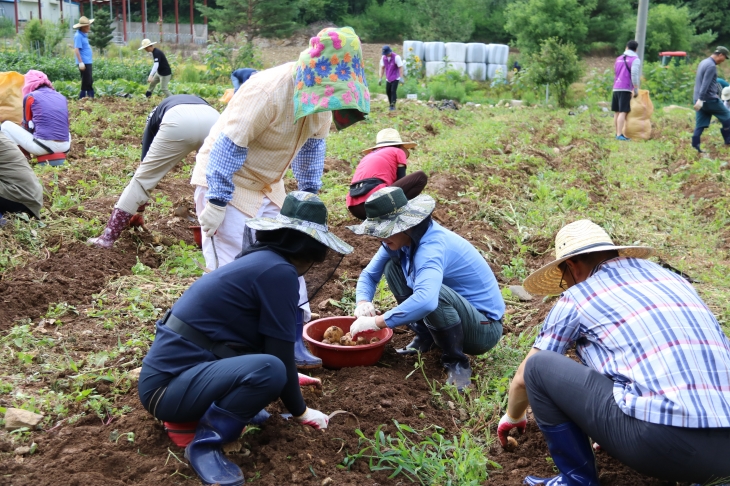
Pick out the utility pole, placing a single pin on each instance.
(641, 19)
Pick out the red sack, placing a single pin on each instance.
(181, 433)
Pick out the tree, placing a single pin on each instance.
(489, 20)
(712, 15)
(385, 22)
(556, 64)
(605, 22)
(102, 31)
(255, 18)
(442, 20)
(669, 28)
(533, 21)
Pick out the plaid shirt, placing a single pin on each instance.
(260, 119)
(646, 329)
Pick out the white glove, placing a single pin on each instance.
(698, 105)
(365, 308)
(150, 78)
(363, 324)
(313, 418)
(211, 218)
(82, 66)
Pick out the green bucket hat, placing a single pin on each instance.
(389, 212)
(305, 212)
(330, 76)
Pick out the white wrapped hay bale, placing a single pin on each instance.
(455, 51)
(433, 51)
(456, 66)
(411, 49)
(477, 70)
(476, 53)
(498, 54)
(497, 71)
(435, 67)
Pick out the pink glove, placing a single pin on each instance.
(313, 418)
(507, 423)
(305, 380)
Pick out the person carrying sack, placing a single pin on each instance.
(383, 165)
(45, 127)
(445, 290)
(160, 72)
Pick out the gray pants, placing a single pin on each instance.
(183, 129)
(561, 390)
(163, 81)
(480, 333)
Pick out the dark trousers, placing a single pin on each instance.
(412, 186)
(391, 89)
(561, 390)
(242, 385)
(8, 206)
(87, 82)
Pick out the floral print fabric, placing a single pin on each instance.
(330, 74)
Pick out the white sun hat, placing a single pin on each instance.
(146, 43)
(83, 22)
(576, 238)
(726, 94)
(389, 137)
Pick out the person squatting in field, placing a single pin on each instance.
(176, 127)
(383, 165)
(20, 190)
(707, 98)
(226, 348)
(445, 290)
(278, 119)
(653, 385)
(45, 126)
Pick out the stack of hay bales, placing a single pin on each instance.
(411, 49)
(479, 61)
(455, 56)
(433, 53)
(476, 61)
(497, 59)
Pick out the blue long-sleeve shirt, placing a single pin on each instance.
(442, 258)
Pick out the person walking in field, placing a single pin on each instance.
(278, 119)
(83, 56)
(627, 77)
(707, 98)
(160, 72)
(176, 127)
(45, 127)
(20, 189)
(445, 290)
(383, 165)
(653, 383)
(391, 65)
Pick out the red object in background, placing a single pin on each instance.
(344, 356)
(673, 53)
(197, 235)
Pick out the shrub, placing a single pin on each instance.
(188, 74)
(384, 22)
(532, 22)
(671, 84)
(557, 65)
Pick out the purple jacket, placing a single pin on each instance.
(50, 114)
(392, 71)
(622, 68)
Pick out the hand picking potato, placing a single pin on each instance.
(333, 333)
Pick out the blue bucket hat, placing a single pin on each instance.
(387, 50)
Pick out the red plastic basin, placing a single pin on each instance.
(344, 356)
(197, 235)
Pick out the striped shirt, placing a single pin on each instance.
(646, 329)
(260, 119)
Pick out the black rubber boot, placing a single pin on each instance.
(725, 131)
(456, 363)
(217, 427)
(148, 94)
(696, 139)
(422, 343)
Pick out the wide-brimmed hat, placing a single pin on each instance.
(726, 93)
(388, 137)
(146, 43)
(330, 76)
(305, 212)
(83, 22)
(576, 238)
(389, 211)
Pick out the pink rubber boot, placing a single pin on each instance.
(117, 222)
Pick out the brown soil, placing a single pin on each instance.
(92, 452)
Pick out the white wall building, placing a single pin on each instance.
(50, 10)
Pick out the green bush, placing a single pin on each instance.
(557, 65)
(188, 74)
(670, 85)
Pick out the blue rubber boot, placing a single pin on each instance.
(302, 357)
(260, 417)
(573, 456)
(217, 427)
(3, 221)
(82, 94)
(91, 93)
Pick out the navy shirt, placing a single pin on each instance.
(243, 302)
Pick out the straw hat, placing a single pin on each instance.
(146, 43)
(389, 137)
(725, 94)
(389, 212)
(305, 212)
(576, 238)
(83, 22)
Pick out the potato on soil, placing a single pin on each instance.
(511, 444)
(333, 333)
